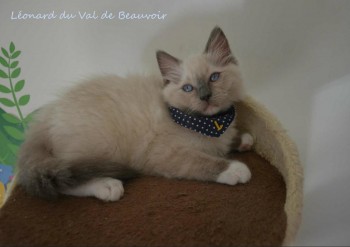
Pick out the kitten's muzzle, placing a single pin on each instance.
(204, 93)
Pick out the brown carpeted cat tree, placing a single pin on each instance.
(162, 212)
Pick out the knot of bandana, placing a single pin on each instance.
(213, 126)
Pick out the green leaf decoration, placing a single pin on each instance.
(4, 89)
(11, 118)
(19, 85)
(3, 158)
(15, 133)
(7, 102)
(14, 148)
(3, 123)
(15, 55)
(14, 64)
(3, 74)
(24, 100)
(6, 154)
(4, 62)
(12, 47)
(16, 73)
(6, 54)
(30, 116)
(12, 126)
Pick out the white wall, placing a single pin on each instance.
(294, 55)
(327, 169)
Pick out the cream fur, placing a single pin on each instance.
(98, 119)
(109, 125)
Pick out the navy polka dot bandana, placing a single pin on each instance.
(213, 126)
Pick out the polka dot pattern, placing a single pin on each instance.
(213, 126)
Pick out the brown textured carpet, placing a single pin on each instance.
(156, 212)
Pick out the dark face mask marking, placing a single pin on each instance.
(204, 91)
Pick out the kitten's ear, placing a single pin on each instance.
(169, 66)
(218, 48)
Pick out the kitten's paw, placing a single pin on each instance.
(247, 142)
(237, 172)
(108, 189)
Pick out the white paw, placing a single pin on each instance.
(247, 142)
(108, 189)
(237, 172)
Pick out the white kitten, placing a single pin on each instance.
(180, 125)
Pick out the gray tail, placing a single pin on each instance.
(44, 175)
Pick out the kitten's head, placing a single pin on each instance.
(204, 84)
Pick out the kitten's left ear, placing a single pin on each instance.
(169, 66)
(218, 48)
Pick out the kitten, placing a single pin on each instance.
(112, 128)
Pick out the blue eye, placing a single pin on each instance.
(215, 76)
(187, 88)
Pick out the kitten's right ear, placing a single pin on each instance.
(218, 48)
(169, 66)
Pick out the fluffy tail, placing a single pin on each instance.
(44, 175)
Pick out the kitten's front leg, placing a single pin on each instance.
(246, 142)
(190, 164)
(242, 142)
(104, 188)
(236, 172)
